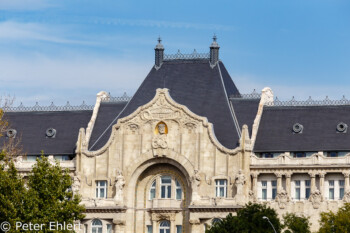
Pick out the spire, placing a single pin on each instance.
(159, 53)
(214, 51)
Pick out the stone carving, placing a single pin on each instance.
(133, 128)
(252, 197)
(119, 186)
(282, 198)
(194, 221)
(316, 198)
(161, 114)
(119, 222)
(76, 183)
(191, 127)
(159, 142)
(18, 160)
(346, 197)
(163, 216)
(195, 182)
(239, 182)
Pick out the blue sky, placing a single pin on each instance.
(70, 50)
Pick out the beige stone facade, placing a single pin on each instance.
(163, 168)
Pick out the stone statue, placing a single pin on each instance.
(346, 197)
(316, 198)
(76, 183)
(195, 182)
(159, 142)
(282, 198)
(119, 186)
(252, 197)
(239, 182)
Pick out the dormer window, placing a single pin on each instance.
(332, 154)
(299, 154)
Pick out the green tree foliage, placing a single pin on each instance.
(45, 198)
(248, 220)
(296, 224)
(336, 222)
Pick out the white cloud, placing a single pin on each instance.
(24, 4)
(10, 31)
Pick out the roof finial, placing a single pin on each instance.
(159, 39)
(214, 37)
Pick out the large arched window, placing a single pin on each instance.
(96, 226)
(169, 187)
(164, 227)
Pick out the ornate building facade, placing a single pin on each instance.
(188, 148)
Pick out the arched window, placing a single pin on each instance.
(165, 187)
(164, 227)
(96, 226)
(152, 191)
(178, 190)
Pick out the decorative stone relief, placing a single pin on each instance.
(119, 222)
(316, 199)
(252, 197)
(195, 183)
(163, 216)
(191, 127)
(76, 183)
(282, 198)
(346, 197)
(194, 221)
(132, 128)
(160, 142)
(119, 186)
(239, 182)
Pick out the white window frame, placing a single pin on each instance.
(307, 187)
(341, 184)
(273, 188)
(153, 188)
(96, 228)
(167, 192)
(178, 187)
(297, 186)
(264, 188)
(331, 186)
(164, 229)
(100, 187)
(218, 186)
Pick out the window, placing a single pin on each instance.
(165, 187)
(297, 189)
(164, 227)
(299, 154)
(267, 155)
(264, 190)
(62, 157)
(96, 226)
(332, 154)
(152, 191)
(109, 228)
(149, 229)
(274, 189)
(101, 189)
(221, 188)
(178, 190)
(331, 189)
(178, 229)
(341, 189)
(307, 189)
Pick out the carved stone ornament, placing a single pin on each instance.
(194, 221)
(76, 183)
(346, 197)
(133, 128)
(252, 197)
(119, 186)
(316, 199)
(159, 142)
(163, 216)
(161, 113)
(239, 182)
(119, 222)
(282, 198)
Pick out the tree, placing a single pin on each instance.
(249, 220)
(296, 224)
(45, 198)
(336, 222)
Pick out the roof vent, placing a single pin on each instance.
(298, 128)
(50, 133)
(11, 133)
(342, 127)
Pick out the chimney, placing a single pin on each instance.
(214, 52)
(159, 54)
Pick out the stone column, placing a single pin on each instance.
(155, 226)
(288, 184)
(172, 223)
(322, 175)
(118, 226)
(347, 181)
(195, 225)
(255, 183)
(313, 181)
(279, 181)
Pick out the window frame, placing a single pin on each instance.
(331, 187)
(264, 190)
(218, 186)
(297, 187)
(97, 228)
(100, 187)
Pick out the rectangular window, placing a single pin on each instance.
(264, 190)
(297, 189)
(109, 228)
(307, 189)
(331, 189)
(101, 189)
(299, 155)
(274, 189)
(332, 154)
(149, 229)
(221, 188)
(178, 229)
(178, 191)
(165, 187)
(341, 189)
(152, 191)
(267, 155)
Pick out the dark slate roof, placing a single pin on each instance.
(32, 126)
(192, 83)
(107, 113)
(319, 133)
(245, 110)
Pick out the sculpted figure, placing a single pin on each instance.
(119, 186)
(252, 197)
(239, 182)
(282, 198)
(76, 183)
(195, 181)
(346, 197)
(159, 142)
(316, 199)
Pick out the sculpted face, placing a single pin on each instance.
(161, 128)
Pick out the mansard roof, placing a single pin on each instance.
(319, 132)
(191, 82)
(31, 128)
